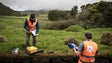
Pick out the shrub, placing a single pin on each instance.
(59, 25)
(58, 15)
(2, 38)
(74, 28)
(106, 38)
(71, 40)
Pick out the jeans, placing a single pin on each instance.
(28, 39)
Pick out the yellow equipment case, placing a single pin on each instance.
(32, 49)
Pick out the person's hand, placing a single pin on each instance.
(77, 53)
(27, 31)
(30, 31)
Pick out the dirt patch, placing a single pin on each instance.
(49, 59)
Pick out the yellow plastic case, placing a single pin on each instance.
(32, 49)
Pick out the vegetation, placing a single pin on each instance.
(74, 12)
(71, 40)
(91, 15)
(54, 33)
(4, 10)
(2, 39)
(48, 40)
(58, 15)
(95, 15)
(62, 15)
(106, 38)
(59, 25)
(74, 28)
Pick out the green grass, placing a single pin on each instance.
(49, 40)
(74, 28)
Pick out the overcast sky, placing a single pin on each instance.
(45, 4)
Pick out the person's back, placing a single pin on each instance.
(88, 53)
(87, 50)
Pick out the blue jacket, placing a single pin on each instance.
(27, 28)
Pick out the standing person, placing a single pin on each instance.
(30, 25)
(87, 50)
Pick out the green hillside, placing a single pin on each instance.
(4, 10)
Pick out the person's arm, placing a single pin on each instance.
(26, 25)
(80, 49)
(37, 28)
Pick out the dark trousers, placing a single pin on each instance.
(28, 39)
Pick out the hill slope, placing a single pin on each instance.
(4, 10)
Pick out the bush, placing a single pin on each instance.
(58, 15)
(2, 39)
(106, 38)
(59, 25)
(74, 28)
(71, 40)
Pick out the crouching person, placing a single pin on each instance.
(87, 50)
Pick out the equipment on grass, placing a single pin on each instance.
(32, 49)
(72, 45)
(15, 51)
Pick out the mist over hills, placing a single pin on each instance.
(6, 11)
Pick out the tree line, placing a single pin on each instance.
(98, 14)
(95, 15)
(62, 15)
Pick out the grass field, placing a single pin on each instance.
(48, 40)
